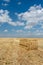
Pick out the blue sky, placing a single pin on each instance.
(21, 18)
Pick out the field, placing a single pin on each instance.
(21, 51)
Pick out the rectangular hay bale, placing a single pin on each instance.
(29, 44)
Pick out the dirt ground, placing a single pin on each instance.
(11, 53)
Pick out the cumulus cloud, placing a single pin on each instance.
(5, 30)
(4, 4)
(32, 17)
(19, 3)
(19, 31)
(5, 18)
(38, 32)
(42, 26)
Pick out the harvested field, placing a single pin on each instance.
(20, 51)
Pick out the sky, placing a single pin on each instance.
(21, 18)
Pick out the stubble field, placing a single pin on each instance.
(21, 51)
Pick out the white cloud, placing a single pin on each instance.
(5, 18)
(17, 23)
(16, 13)
(19, 3)
(28, 27)
(38, 32)
(6, 30)
(33, 16)
(4, 4)
(41, 26)
(20, 23)
(19, 31)
(6, 0)
(1, 11)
